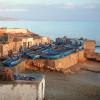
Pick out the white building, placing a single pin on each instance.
(23, 90)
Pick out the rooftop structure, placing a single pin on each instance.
(23, 86)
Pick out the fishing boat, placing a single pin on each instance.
(54, 54)
(50, 56)
(33, 56)
(10, 62)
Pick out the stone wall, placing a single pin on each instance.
(2, 30)
(89, 47)
(16, 30)
(70, 60)
(4, 48)
(62, 63)
(20, 68)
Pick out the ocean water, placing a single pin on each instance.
(98, 49)
(53, 29)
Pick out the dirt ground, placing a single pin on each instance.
(90, 66)
(84, 85)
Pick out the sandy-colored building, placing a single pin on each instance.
(89, 47)
(17, 30)
(15, 39)
(23, 90)
(90, 44)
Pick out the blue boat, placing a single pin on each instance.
(50, 56)
(33, 56)
(56, 54)
(10, 62)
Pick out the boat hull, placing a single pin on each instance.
(12, 62)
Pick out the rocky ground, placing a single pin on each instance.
(83, 85)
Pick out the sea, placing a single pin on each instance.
(53, 29)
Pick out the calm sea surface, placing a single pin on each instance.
(55, 29)
(98, 49)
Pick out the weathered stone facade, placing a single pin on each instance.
(57, 64)
(17, 39)
(89, 47)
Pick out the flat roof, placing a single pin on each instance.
(37, 79)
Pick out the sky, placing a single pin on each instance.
(51, 10)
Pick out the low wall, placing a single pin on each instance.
(16, 30)
(62, 63)
(69, 61)
(41, 64)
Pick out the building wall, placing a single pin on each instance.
(25, 43)
(4, 50)
(70, 60)
(2, 30)
(41, 90)
(0, 50)
(18, 92)
(17, 45)
(89, 47)
(22, 90)
(45, 40)
(81, 56)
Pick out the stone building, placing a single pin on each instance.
(15, 39)
(89, 47)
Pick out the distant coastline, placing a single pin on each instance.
(97, 46)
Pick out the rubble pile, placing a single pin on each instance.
(6, 74)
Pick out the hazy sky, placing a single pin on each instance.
(51, 9)
(47, 1)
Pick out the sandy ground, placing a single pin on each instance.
(84, 85)
(91, 66)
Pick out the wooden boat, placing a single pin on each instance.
(10, 62)
(56, 54)
(33, 56)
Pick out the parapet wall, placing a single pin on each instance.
(62, 63)
(68, 61)
(15, 30)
